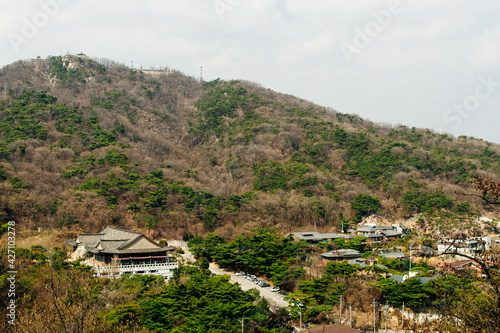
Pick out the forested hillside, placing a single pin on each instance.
(85, 143)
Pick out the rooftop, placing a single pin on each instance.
(342, 254)
(315, 236)
(393, 255)
(113, 240)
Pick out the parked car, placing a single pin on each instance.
(273, 289)
(264, 284)
(240, 273)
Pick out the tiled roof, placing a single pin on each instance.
(114, 241)
(111, 233)
(88, 239)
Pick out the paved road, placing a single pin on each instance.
(274, 298)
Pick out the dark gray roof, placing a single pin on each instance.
(366, 236)
(342, 254)
(422, 279)
(87, 239)
(111, 233)
(426, 279)
(315, 236)
(397, 278)
(367, 229)
(385, 227)
(393, 255)
(114, 241)
(365, 263)
(391, 233)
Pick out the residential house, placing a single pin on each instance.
(458, 266)
(376, 233)
(341, 255)
(470, 245)
(398, 255)
(391, 234)
(113, 252)
(314, 237)
(424, 251)
(400, 227)
(370, 238)
(365, 263)
(495, 242)
(367, 229)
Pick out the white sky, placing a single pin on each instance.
(424, 63)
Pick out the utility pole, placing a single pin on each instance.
(374, 318)
(201, 73)
(386, 314)
(410, 263)
(350, 314)
(300, 318)
(242, 320)
(340, 310)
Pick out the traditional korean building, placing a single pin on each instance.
(113, 252)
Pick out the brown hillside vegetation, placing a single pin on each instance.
(168, 153)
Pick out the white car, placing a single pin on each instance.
(275, 289)
(240, 273)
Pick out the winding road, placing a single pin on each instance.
(275, 299)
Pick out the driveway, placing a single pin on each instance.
(274, 298)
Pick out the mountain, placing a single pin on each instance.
(89, 142)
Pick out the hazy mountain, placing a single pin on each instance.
(85, 143)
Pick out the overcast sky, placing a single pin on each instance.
(425, 63)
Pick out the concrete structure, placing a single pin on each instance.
(114, 252)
